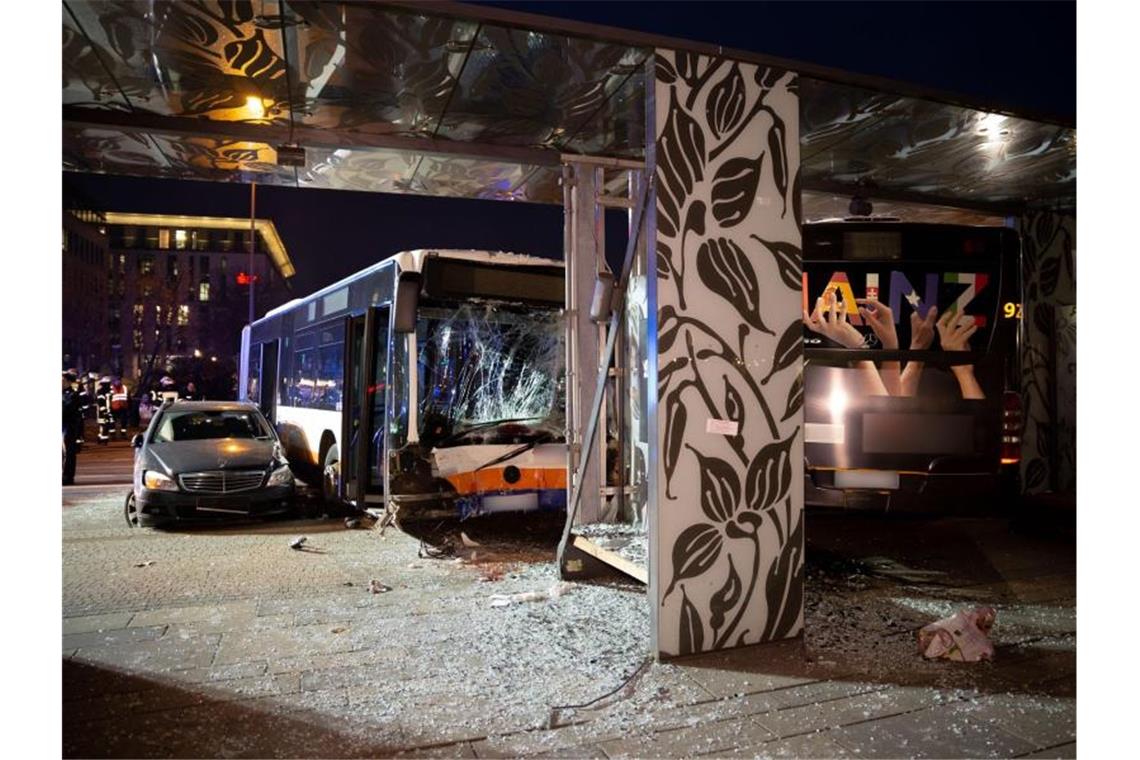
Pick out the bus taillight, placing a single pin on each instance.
(1011, 428)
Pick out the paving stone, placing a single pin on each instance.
(154, 656)
(239, 613)
(1041, 720)
(708, 738)
(587, 752)
(841, 712)
(1062, 752)
(316, 662)
(230, 624)
(110, 638)
(224, 672)
(331, 701)
(936, 732)
(460, 749)
(473, 719)
(297, 641)
(95, 623)
(548, 742)
(808, 745)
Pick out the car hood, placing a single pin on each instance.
(221, 454)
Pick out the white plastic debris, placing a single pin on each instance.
(554, 592)
(467, 541)
(298, 542)
(376, 587)
(963, 637)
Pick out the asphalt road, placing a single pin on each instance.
(102, 466)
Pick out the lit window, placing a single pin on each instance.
(184, 314)
(164, 238)
(136, 339)
(146, 264)
(181, 237)
(204, 291)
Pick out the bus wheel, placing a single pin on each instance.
(131, 510)
(330, 478)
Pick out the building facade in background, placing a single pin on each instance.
(86, 341)
(142, 291)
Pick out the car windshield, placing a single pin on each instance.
(201, 425)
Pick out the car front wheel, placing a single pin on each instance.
(131, 510)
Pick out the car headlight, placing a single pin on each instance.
(156, 481)
(282, 476)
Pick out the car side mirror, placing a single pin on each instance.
(137, 441)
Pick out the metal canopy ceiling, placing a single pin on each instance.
(393, 98)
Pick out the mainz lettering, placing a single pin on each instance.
(901, 288)
(975, 283)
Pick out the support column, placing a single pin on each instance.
(726, 502)
(585, 257)
(1049, 352)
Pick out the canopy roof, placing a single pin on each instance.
(469, 101)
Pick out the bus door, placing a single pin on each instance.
(364, 414)
(267, 389)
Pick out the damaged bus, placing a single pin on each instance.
(431, 383)
(911, 370)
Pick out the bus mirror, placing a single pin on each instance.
(407, 301)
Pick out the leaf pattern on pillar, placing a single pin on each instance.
(729, 263)
(1048, 353)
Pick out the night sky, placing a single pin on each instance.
(1019, 53)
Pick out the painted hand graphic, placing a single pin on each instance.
(922, 330)
(882, 321)
(954, 330)
(830, 321)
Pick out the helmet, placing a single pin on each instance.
(105, 379)
(166, 381)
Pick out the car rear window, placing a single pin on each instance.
(207, 425)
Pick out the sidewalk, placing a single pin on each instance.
(230, 644)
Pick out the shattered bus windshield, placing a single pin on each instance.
(490, 372)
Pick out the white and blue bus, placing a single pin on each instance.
(431, 383)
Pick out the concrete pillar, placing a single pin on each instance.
(726, 505)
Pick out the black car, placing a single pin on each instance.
(201, 460)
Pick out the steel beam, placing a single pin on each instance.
(277, 134)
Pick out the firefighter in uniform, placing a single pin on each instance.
(120, 405)
(103, 417)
